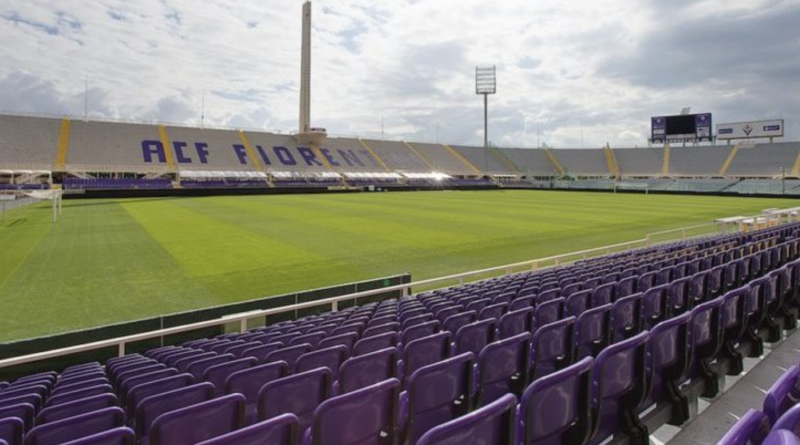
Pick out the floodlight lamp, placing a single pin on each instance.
(486, 79)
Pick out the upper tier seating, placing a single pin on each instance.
(630, 328)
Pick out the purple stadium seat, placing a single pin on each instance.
(79, 394)
(331, 358)
(435, 394)
(288, 354)
(147, 389)
(418, 331)
(218, 374)
(133, 382)
(625, 287)
(259, 352)
(556, 408)
(33, 400)
(503, 367)
(548, 312)
(20, 391)
(619, 384)
(347, 340)
(454, 322)
(577, 303)
(65, 430)
(734, 327)
(249, 381)
(751, 428)
(280, 430)
(311, 339)
(22, 411)
(655, 306)
(474, 336)
(374, 406)
(491, 425)
(76, 386)
(706, 338)
(667, 361)
(183, 364)
(790, 420)
(199, 367)
(151, 408)
(375, 343)
(368, 369)
(552, 348)
(783, 394)
(522, 303)
(381, 329)
(516, 322)
(592, 331)
(80, 376)
(298, 394)
(603, 294)
(494, 311)
(680, 299)
(420, 316)
(199, 422)
(116, 436)
(12, 430)
(781, 437)
(626, 316)
(424, 351)
(76, 407)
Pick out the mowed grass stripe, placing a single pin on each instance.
(116, 260)
(97, 266)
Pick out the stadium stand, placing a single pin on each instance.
(29, 143)
(485, 160)
(112, 147)
(399, 157)
(765, 160)
(636, 333)
(531, 162)
(640, 162)
(581, 162)
(443, 159)
(697, 161)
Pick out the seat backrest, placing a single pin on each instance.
(625, 286)
(331, 358)
(751, 428)
(547, 312)
(667, 356)
(781, 437)
(592, 331)
(474, 336)
(259, 352)
(679, 295)
(454, 322)
(790, 420)
(132, 382)
(493, 311)
(116, 436)
(783, 394)
(348, 340)
(218, 374)
(619, 383)
(368, 369)
(65, 430)
(437, 393)
(298, 394)
(503, 367)
(424, 351)
(76, 407)
(375, 343)
(515, 322)
(372, 331)
(552, 347)
(419, 331)
(280, 430)
(12, 430)
(557, 408)
(577, 303)
(288, 354)
(603, 294)
(196, 423)
(626, 316)
(199, 367)
(491, 425)
(147, 389)
(655, 306)
(376, 408)
(79, 394)
(152, 407)
(23, 411)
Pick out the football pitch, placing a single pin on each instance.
(116, 260)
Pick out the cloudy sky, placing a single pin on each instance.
(569, 73)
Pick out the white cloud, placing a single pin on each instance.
(568, 69)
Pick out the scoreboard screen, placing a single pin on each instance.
(681, 128)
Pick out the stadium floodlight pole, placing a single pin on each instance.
(486, 84)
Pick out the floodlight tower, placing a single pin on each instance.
(486, 84)
(306, 133)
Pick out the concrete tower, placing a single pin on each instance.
(305, 71)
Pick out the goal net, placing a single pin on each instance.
(11, 200)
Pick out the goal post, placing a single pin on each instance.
(633, 186)
(16, 199)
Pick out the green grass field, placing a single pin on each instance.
(108, 261)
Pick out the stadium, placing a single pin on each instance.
(182, 284)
